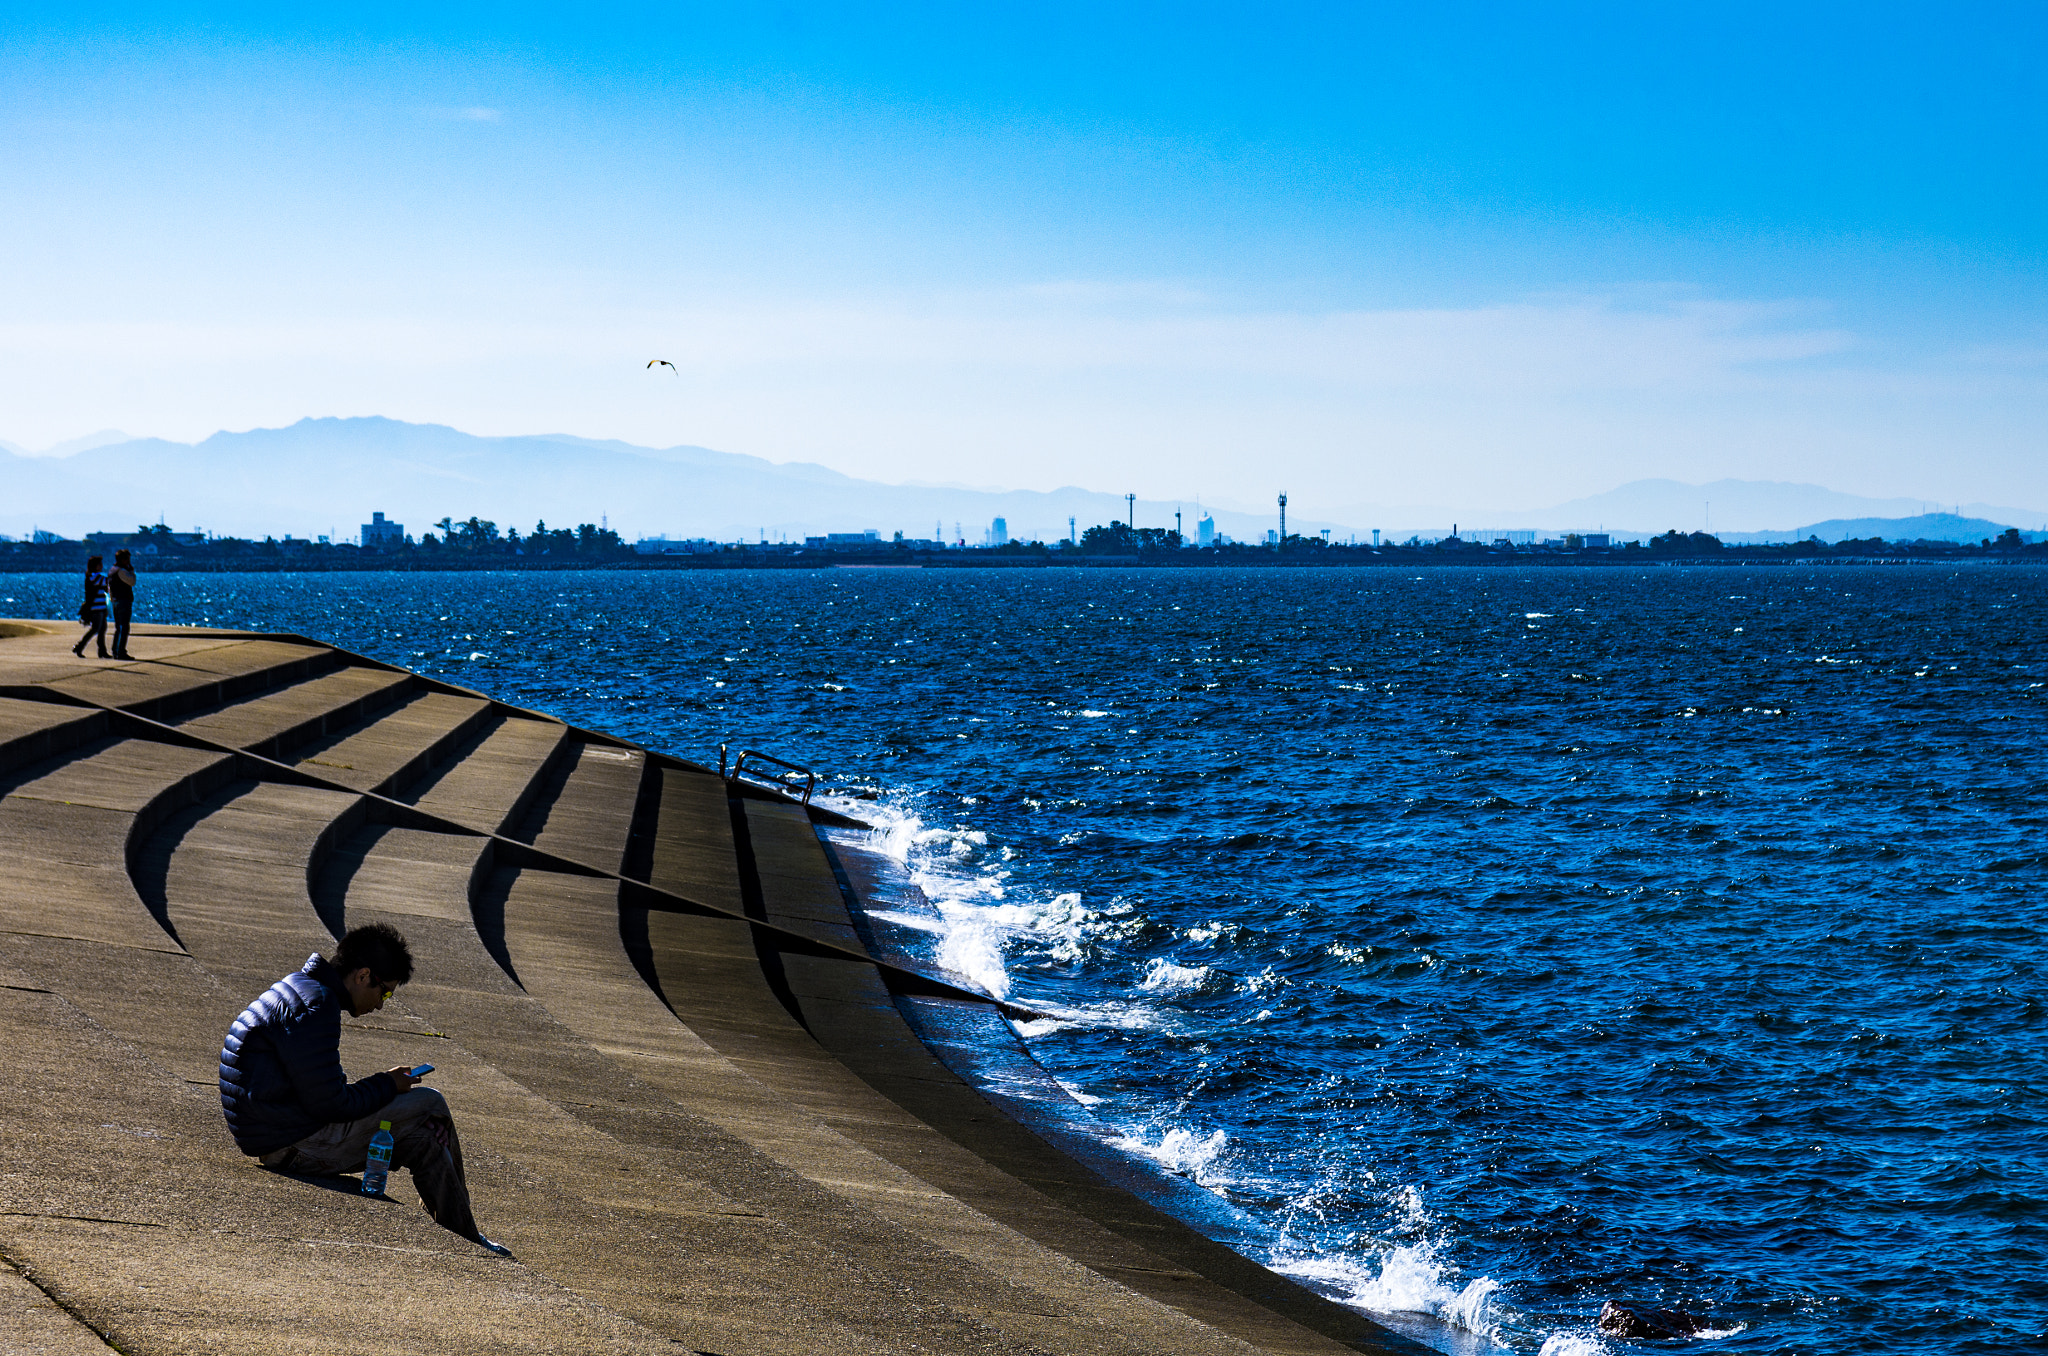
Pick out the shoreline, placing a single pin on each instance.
(1422, 559)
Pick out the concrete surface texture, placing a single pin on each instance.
(702, 1116)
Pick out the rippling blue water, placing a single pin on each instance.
(1500, 942)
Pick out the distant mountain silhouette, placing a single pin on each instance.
(330, 474)
(1920, 527)
(1771, 508)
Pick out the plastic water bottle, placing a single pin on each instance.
(377, 1165)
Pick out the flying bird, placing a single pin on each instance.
(665, 363)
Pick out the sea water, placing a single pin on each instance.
(1495, 942)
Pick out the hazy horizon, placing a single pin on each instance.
(296, 480)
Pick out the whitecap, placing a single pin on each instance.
(1165, 978)
(1406, 1279)
(1573, 1344)
(1184, 1152)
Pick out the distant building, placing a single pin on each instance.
(381, 532)
(1205, 531)
(668, 546)
(844, 541)
(150, 540)
(1272, 536)
(1598, 541)
(999, 532)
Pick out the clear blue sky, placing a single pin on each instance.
(1481, 256)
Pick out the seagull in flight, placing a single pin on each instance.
(651, 362)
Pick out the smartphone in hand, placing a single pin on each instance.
(420, 1071)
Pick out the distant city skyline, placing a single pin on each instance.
(1510, 253)
(314, 477)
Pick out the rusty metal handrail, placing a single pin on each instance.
(783, 780)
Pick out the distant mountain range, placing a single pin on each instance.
(322, 476)
(326, 477)
(1751, 511)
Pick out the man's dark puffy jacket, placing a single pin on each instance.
(280, 1070)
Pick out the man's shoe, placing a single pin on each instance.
(498, 1248)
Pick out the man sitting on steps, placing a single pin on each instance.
(289, 1104)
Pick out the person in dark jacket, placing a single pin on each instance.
(121, 590)
(92, 613)
(289, 1104)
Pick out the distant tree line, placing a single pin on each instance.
(477, 543)
(479, 537)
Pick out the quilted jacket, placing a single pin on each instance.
(280, 1068)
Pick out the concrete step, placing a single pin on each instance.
(319, 707)
(586, 806)
(398, 746)
(31, 731)
(233, 875)
(202, 672)
(495, 782)
(69, 827)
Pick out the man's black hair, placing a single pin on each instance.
(379, 946)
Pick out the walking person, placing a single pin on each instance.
(92, 613)
(121, 588)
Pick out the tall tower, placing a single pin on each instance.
(1283, 522)
(1071, 537)
(1131, 512)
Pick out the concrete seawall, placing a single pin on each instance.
(699, 1102)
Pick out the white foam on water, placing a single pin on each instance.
(981, 925)
(1399, 1278)
(1409, 1278)
(1574, 1344)
(1168, 980)
(1187, 1153)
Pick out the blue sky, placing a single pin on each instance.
(1486, 256)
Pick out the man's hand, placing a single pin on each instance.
(402, 1076)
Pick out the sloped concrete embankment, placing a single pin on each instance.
(694, 1106)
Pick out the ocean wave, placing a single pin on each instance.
(1187, 1153)
(1169, 980)
(1574, 1344)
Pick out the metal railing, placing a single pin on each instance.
(787, 779)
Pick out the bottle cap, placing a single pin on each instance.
(383, 1125)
